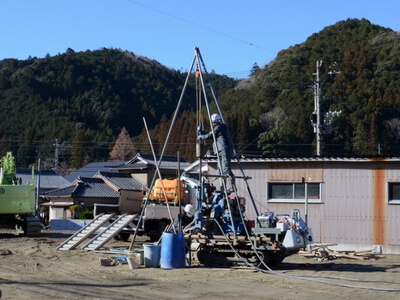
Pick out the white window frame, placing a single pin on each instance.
(293, 199)
(392, 201)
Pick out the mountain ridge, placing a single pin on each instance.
(86, 98)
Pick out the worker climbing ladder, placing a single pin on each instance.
(201, 69)
(201, 90)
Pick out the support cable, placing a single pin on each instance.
(306, 277)
(163, 150)
(197, 55)
(301, 277)
(159, 174)
(230, 137)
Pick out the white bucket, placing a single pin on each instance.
(132, 263)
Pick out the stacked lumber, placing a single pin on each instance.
(322, 253)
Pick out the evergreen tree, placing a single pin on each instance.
(361, 139)
(373, 136)
(107, 89)
(79, 149)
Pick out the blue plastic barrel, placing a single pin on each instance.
(172, 250)
(151, 255)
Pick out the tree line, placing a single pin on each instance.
(88, 98)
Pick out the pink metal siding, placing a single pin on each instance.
(347, 205)
(289, 172)
(392, 211)
(379, 207)
(354, 207)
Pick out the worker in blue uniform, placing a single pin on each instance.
(187, 217)
(222, 144)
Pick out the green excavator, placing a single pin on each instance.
(17, 201)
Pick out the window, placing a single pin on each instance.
(394, 192)
(294, 192)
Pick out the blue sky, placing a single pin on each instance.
(232, 35)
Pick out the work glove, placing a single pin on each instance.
(199, 137)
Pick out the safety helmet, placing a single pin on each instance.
(189, 209)
(216, 118)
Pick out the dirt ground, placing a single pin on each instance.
(32, 268)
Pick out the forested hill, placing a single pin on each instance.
(365, 90)
(84, 100)
(270, 113)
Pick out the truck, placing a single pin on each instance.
(155, 213)
(17, 200)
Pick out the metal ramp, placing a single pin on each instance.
(84, 232)
(99, 240)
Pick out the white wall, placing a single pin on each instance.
(56, 213)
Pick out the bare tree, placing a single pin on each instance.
(123, 149)
(269, 119)
(393, 126)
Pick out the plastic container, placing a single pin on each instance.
(171, 188)
(140, 253)
(151, 255)
(132, 263)
(172, 251)
(283, 226)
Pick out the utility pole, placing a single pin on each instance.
(317, 96)
(57, 145)
(37, 208)
(322, 123)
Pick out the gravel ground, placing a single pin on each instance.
(32, 268)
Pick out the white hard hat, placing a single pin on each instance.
(189, 209)
(216, 118)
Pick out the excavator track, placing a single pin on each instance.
(33, 226)
(226, 257)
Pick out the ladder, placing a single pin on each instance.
(85, 231)
(103, 237)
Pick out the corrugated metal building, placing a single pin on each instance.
(352, 201)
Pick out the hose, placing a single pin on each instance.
(306, 277)
(188, 227)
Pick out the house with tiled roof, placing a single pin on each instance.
(49, 179)
(120, 181)
(92, 168)
(143, 167)
(105, 189)
(117, 186)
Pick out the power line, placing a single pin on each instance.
(278, 120)
(203, 27)
(238, 74)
